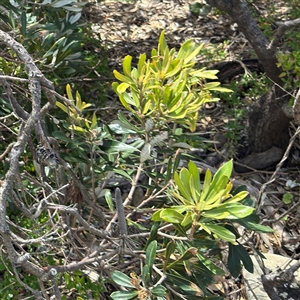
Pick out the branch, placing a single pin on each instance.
(282, 27)
(240, 13)
(296, 108)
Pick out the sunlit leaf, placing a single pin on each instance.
(188, 218)
(69, 92)
(122, 77)
(221, 232)
(170, 215)
(141, 63)
(238, 197)
(94, 121)
(127, 65)
(195, 176)
(183, 188)
(62, 106)
(122, 87)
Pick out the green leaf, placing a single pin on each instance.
(221, 89)
(177, 69)
(121, 279)
(169, 215)
(94, 121)
(237, 253)
(151, 254)
(214, 200)
(111, 146)
(61, 3)
(169, 251)
(127, 65)
(252, 223)
(222, 176)
(153, 233)
(188, 254)
(228, 211)
(238, 197)
(193, 54)
(61, 136)
(122, 87)
(217, 213)
(23, 24)
(162, 44)
(109, 200)
(239, 210)
(122, 173)
(188, 218)
(120, 128)
(159, 291)
(123, 295)
(195, 177)
(206, 74)
(183, 188)
(221, 232)
(212, 267)
(146, 275)
(141, 63)
(62, 107)
(287, 198)
(211, 85)
(187, 286)
(122, 77)
(126, 124)
(206, 185)
(197, 8)
(57, 45)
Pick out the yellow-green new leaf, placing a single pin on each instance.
(69, 92)
(174, 71)
(215, 200)
(183, 188)
(188, 218)
(122, 87)
(195, 176)
(122, 78)
(192, 55)
(206, 74)
(211, 85)
(127, 65)
(62, 106)
(162, 44)
(85, 105)
(206, 185)
(94, 121)
(170, 215)
(238, 197)
(186, 49)
(77, 128)
(141, 64)
(221, 89)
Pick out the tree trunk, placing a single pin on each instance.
(268, 125)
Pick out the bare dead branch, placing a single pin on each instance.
(282, 27)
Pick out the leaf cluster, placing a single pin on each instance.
(167, 87)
